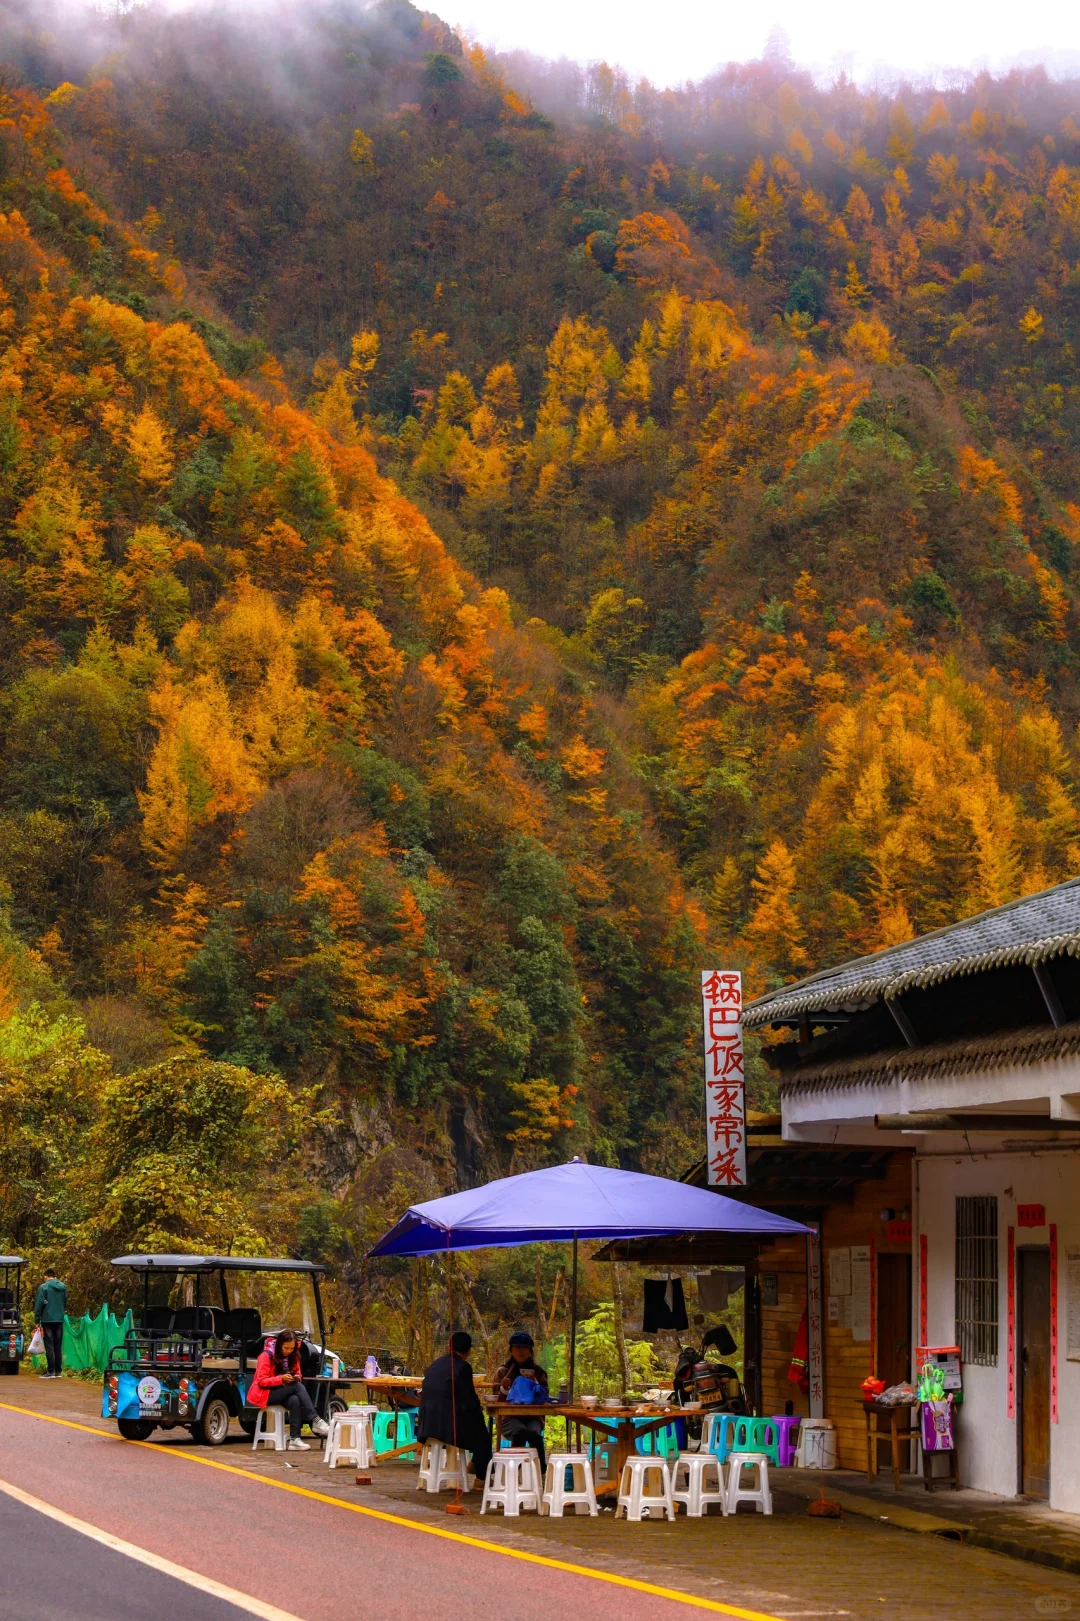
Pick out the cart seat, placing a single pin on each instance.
(158, 1322)
(243, 1325)
(7, 1297)
(194, 1322)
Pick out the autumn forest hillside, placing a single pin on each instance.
(478, 539)
(284, 794)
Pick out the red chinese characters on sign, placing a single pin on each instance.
(1053, 1323)
(1010, 1324)
(1031, 1215)
(873, 1307)
(725, 1085)
(923, 1313)
(814, 1326)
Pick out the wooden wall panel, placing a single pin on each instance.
(847, 1361)
(780, 1324)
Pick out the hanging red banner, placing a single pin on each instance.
(923, 1335)
(1010, 1326)
(1053, 1324)
(873, 1308)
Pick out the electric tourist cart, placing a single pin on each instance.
(192, 1358)
(11, 1332)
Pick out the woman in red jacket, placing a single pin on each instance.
(277, 1383)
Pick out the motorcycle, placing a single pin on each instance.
(715, 1385)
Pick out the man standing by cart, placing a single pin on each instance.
(50, 1305)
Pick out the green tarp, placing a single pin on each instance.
(88, 1340)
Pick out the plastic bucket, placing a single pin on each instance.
(817, 1444)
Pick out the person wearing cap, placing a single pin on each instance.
(528, 1430)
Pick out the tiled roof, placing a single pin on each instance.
(1039, 1044)
(1028, 930)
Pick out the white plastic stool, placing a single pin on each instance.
(350, 1439)
(513, 1482)
(443, 1468)
(270, 1429)
(645, 1489)
(697, 1493)
(759, 1493)
(604, 1458)
(582, 1493)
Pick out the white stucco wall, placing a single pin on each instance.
(987, 1437)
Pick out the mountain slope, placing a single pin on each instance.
(277, 772)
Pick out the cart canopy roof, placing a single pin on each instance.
(12, 1260)
(213, 1263)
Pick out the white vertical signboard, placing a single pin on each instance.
(725, 1082)
(815, 1333)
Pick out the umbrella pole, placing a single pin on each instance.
(573, 1320)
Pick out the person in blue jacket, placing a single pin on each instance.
(50, 1305)
(528, 1430)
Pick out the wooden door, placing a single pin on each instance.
(894, 1318)
(1034, 1326)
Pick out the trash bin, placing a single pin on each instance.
(817, 1444)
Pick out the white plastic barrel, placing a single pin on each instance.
(817, 1444)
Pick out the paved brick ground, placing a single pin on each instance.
(787, 1566)
(1034, 1529)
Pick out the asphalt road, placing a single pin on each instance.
(52, 1573)
(309, 1558)
(315, 1547)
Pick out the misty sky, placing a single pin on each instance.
(683, 39)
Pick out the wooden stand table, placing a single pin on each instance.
(900, 1433)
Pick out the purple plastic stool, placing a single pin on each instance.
(786, 1423)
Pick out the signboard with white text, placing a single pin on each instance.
(725, 1081)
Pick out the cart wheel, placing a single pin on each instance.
(213, 1428)
(248, 1425)
(135, 1429)
(9, 1367)
(336, 1404)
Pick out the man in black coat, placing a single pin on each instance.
(450, 1409)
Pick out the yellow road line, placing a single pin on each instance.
(143, 1556)
(713, 1605)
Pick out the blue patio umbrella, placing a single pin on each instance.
(570, 1202)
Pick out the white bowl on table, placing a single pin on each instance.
(590, 1401)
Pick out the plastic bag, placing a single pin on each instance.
(526, 1391)
(901, 1395)
(37, 1344)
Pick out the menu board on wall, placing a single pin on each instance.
(840, 1272)
(1072, 1309)
(860, 1291)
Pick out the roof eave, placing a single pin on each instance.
(812, 995)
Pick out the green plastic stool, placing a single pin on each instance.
(758, 1435)
(663, 1443)
(385, 1431)
(393, 1430)
(406, 1432)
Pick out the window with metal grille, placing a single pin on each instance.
(977, 1279)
